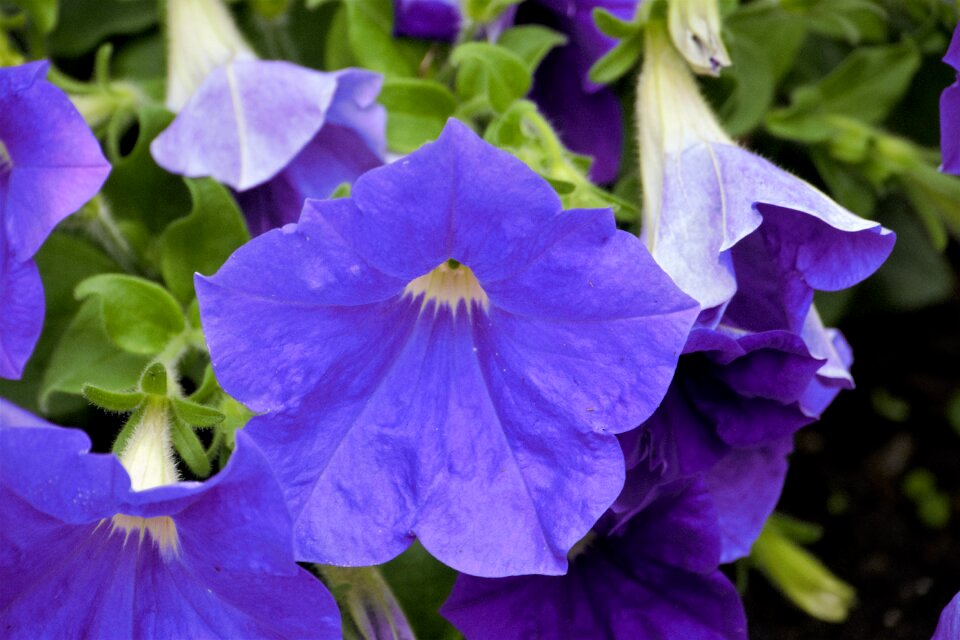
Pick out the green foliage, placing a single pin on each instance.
(866, 86)
(368, 26)
(139, 316)
(417, 111)
(84, 24)
(85, 355)
(203, 240)
(486, 10)
(531, 43)
(489, 76)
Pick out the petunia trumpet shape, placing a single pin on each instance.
(656, 577)
(86, 556)
(950, 112)
(50, 165)
(704, 196)
(286, 130)
(446, 355)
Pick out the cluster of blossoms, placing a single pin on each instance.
(586, 424)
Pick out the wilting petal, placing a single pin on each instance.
(231, 127)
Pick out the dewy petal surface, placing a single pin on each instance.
(484, 426)
(246, 122)
(655, 579)
(68, 570)
(50, 163)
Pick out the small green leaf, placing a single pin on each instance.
(83, 24)
(119, 401)
(531, 43)
(196, 415)
(487, 10)
(203, 240)
(369, 26)
(86, 355)
(417, 111)
(191, 451)
(618, 61)
(120, 443)
(491, 71)
(139, 316)
(865, 87)
(611, 25)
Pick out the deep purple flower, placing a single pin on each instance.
(950, 111)
(447, 355)
(286, 130)
(948, 628)
(562, 87)
(428, 19)
(656, 577)
(82, 555)
(720, 219)
(50, 165)
(729, 417)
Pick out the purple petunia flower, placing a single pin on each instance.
(83, 555)
(428, 19)
(729, 417)
(447, 355)
(948, 628)
(273, 130)
(720, 219)
(50, 165)
(950, 111)
(656, 577)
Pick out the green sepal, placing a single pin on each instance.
(154, 379)
(120, 443)
(618, 61)
(417, 110)
(119, 401)
(196, 415)
(610, 25)
(208, 387)
(531, 43)
(188, 445)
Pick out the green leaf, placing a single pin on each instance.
(191, 451)
(611, 25)
(119, 401)
(64, 261)
(43, 13)
(203, 240)
(86, 355)
(372, 611)
(422, 584)
(84, 24)
(139, 316)
(531, 43)
(847, 186)
(417, 111)
(196, 415)
(486, 10)
(618, 61)
(866, 86)
(140, 192)
(490, 71)
(369, 26)
(850, 20)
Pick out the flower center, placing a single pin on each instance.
(449, 284)
(162, 530)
